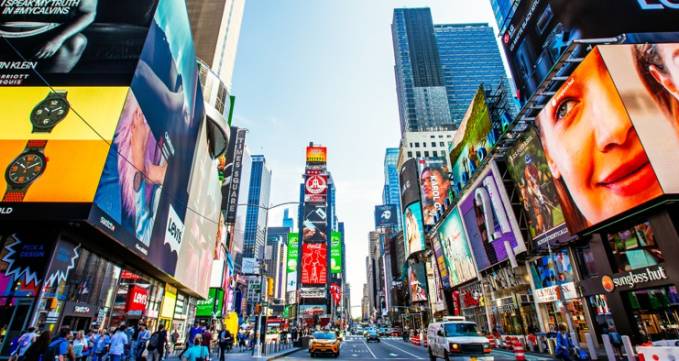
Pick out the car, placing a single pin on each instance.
(454, 336)
(324, 343)
(383, 331)
(372, 335)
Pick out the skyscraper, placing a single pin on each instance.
(287, 221)
(470, 56)
(255, 218)
(277, 246)
(422, 98)
(239, 226)
(391, 193)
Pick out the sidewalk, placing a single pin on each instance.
(245, 355)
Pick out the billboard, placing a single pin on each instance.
(489, 220)
(610, 133)
(316, 188)
(386, 216)
(541, 30)
(312, 310)
(293, 251)
(455, 249)
(413, 229)
(42, 129)
(315, 223)
(441, 263)
(335, 252)
(233, 173)
(86, 42)
(434, 188)
(528, 168)
(314, 263)
(417, 282)
(472, 142)
(316, 155)
(143, 195)
(410, 189)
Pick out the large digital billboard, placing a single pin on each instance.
(610, 133)
(417, 282)
(42, 131)
(316, 155)
(315, 188)
(472, 142)
(315, 223)
(455, 249)
(408, 179)
(386, 216)
(293, 251)
(435, 187)
(83, 42)
(314, 264)
(335, 252)
(489, 220)
(529, 169)
(541, 30)
(413, 229)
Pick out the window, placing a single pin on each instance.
(433, 144)
(440, 135)
(635, 248)
(433, 136)
(434, 154)
(441, 144)
(411, 144)
(410, 154)
(418, 154)
(586, 261)
(426, 153)
(424, 144)
(417, 144)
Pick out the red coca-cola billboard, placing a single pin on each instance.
(314, 263)
(136, 301)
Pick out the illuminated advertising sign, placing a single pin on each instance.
(410, 188)
(205, 307)
(541, 30)
(528, 167)
(85, 42)
(169, 301)
(610, 133)
(314, 263)
(24, 258)
(489, 220)
(293, 251)
(312, 292)
(316, 155)
(455, 249)
(434, 187)
(472, 142)
(42, 130)
(417, 282)
(315, 223)
(441, 263)
(335, 252)
(386, 216)
(315, 188)
(311, 310)
(233, 172)
(413, 229)
(136, 300)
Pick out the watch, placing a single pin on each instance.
(49, 112)
(24, 170)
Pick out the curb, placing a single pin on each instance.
(284, 353)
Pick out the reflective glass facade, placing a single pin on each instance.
(255, 218)
(392, 193)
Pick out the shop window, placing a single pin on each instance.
(586, 261)
(635, 248)
(655, 311)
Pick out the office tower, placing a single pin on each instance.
(276, 259)
(392, 193)
(239, 224)
(287, 220)
(256, 216)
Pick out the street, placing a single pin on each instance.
(355, 348)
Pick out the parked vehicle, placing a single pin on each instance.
(453, 337)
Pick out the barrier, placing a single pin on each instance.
(519, 351)
(657, 353)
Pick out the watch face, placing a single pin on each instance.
(25, 168)
(49, 112)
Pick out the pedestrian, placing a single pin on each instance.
(23, 343)
(119, 342)
(60, 348)
(100, 344)
(207, 340)
(241, 340)
(224, 340)
(38, 348)
(194, 331)
(196, 352)
(143, 336)
(174, 338)
(157, 343)
(79, 346)
(564, 344)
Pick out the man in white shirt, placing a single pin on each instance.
(118, 342)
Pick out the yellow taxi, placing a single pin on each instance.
(324, 343)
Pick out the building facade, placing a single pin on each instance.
(259, 190)
(277, 248)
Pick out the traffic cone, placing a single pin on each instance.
(519, 351)
(491, 340)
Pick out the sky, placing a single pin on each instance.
(323, 71)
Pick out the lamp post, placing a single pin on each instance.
(258, 345)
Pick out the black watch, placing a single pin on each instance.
(49, 112)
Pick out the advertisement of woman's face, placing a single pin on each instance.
(592, 148)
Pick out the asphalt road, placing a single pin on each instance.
(355, 348)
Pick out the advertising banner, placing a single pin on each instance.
(541, 30)
(205, 307)
(233, 173)
(335, 252)
(434, 187)
(169, 301)
(410, 189)
(316, 155)
(437, 300)
(292, 282)
(42, 130)
(455, 249)
(610, 133)
(293, 251)
(136, 300)
(417, 282)
(314, 263)
(472, 143)
(316, 188)
(312, 292)
(311, 310)
(85, 42)
(315, 223)
(386, 216)
(553, 277)
(528, 167)
(441, 263)
(413, 229)
(489, 220)
(23, 262)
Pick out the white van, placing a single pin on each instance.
(454, 338)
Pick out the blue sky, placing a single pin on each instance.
(322, 71)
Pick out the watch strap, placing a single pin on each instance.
(14, 196)
(62, 94)
(36, 144)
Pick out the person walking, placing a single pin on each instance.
(37, 349)
(196, 352)
(119, 342)
(157, 344)
(174, 338)
(143, 336)
(225, 341)
(564, 344)
(60, 348)
(23, 343)
(100, 345)
(207, 341)
(79, 346)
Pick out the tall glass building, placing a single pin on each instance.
(470, 56)
(391, 193)
(255, 218)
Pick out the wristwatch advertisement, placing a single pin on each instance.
(24, 170)
(49, 112)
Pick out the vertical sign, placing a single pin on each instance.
(232, 195)
(335, 252)
(293, 257)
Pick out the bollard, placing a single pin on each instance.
(590, 346)
(629, 349)
(608, 347)
(518, 350)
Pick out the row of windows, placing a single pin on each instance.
(433, 144)
(428, 154)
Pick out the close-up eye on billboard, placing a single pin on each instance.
(314, 264)
(455, 249)
(434, 187)
(528, 167)
(540, 30)
(413, 229)
(53, 142)
(83, 42)
(489, 220)
(472, 142)
(609, 139)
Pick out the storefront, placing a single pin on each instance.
(138, 298)
(512, 310)
(472, 304)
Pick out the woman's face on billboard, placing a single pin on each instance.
(668, 77)
(591, 145)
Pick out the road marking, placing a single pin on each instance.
(393, 355)
(369, 350)
(355, 355)
(402, 350)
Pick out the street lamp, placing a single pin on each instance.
(258, 326)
